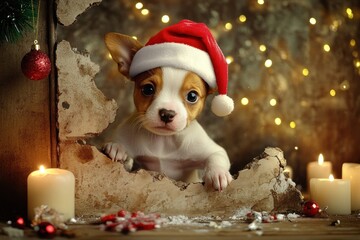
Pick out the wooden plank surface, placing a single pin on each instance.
(300, 228)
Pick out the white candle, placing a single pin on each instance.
(331, 193)
(319, 169)
(351, 171)
(53, 187)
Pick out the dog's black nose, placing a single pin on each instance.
(166, 116)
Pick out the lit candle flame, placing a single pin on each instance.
(331, 177)
(320, 159)
(42, 169)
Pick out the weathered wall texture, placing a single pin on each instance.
(68, 10)
(104, 186)
(83, 109)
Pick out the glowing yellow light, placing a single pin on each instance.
(331, 178)
(312, 21)
(228, 26)
(244, 101)
(273, 102)
(277, 121)
(296, 148)
(42, 169)
(326, 47)
(292, 124)
(321, 159)
(349, 13)
(165, 19)
(357, 63)
(332, 92)
(229, 59)
(268, 63)
(305, 72)
(260, 2)
(134, 37)
(242, 18)
(139, 5)
(352, 42)
(262, 48)
(145, 12)
(345, 85)
(109, 56)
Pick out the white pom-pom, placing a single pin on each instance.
(222, 105)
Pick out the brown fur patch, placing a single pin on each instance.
(193, 82)
(153, 77)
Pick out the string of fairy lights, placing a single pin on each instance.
(142, 9)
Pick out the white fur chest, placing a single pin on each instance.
(146, 143)
(191, 143)
(172, 155)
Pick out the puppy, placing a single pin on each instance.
(163, 134)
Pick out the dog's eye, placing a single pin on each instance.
(192, 97)
(148, 89)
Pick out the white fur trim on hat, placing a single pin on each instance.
(222, 105)
(175, 55)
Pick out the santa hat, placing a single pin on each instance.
(190, 46)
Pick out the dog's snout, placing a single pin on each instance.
(166, 116)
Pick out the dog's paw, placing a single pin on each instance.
(115, 151)
(218, 179)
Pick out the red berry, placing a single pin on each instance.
(18, 222)
(122, 213)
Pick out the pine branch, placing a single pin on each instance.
(16, 18)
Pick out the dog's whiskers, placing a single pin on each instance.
(139, 121)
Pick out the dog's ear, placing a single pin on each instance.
(122, 49)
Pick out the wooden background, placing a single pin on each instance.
(26, 117)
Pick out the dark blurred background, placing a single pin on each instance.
(294, 71)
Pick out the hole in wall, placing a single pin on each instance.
(65, 105)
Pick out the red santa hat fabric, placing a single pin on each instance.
(188, 45)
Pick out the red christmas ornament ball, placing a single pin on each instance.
(36, 65)
(311, 208)
(45, 230)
